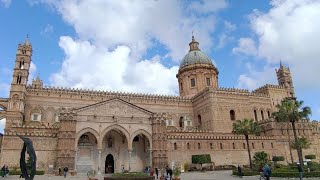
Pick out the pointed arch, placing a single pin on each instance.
(87, 130)
(112, 127)
(144, 132)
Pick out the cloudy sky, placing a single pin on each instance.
(136, 46)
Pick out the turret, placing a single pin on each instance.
(284, 79)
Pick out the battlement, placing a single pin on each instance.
(233, 90)
(99, 93)
(265, 87)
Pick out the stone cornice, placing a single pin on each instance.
(108, 94)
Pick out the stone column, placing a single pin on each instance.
(99, 161)
(150, 157)
(75, 159)
(129, 153)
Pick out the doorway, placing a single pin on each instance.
(109, 164)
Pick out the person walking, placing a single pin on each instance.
(261, 172)
(267, 172)
(300, 171)
(65, 171)
(59, 171)
(157, 173)
(3, 170)
(170, 173)
(239, 171)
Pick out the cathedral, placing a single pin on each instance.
(115, 131)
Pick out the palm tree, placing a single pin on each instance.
(246, 127)
(291, 110)
(303, 143)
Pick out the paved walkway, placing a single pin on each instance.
(212, 175)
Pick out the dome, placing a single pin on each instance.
(195, 55)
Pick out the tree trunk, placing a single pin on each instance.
(296, 143)
(289, 140)
(248, 147)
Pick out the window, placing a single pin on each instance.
(181, 87)
(208, 80)
(269, 114)
(262, 115)
(244, 145)
(233, 146)
(232, 115)
(188, 146)
(262, 145)
(255, 115)
(211, 146)
(189, 123)
(181, 122)
(24, 51)
(193, 82)
(19, 79)
(35, 117)
(21, 65)
(109, 142)
(175, 146)
(221, 146)
(271, 145)
(199, 146)
(252, 145)
(199, 120)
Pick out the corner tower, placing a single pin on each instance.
(15, 111)
(284, 79)
(196, 72)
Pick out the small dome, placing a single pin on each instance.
(195, 55)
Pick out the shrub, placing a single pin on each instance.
(310, 156)
(260, 158)
(18, 172)
(277, 158)
(91, 174)
(176, 172)
(201, 159)
(186, 167)
(295, 174)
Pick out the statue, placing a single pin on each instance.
(27, 146)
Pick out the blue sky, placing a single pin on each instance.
(136, 46)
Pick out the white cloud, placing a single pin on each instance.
(113, 36)
(229, 26)
(246, 46)
(226, 37)
(254, 79)
(2, 125)
(88, 66)
(47, 30)
(290, 31)
(32, 72)
(6, 3)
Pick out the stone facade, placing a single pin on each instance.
(111, 132)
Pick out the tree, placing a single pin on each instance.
(275, 159)
(291, 110)
(246, 127)
(201, 159)
(303, 143)
(260, 158)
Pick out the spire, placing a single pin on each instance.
(281, 66)
(26, 42)
(194, 44)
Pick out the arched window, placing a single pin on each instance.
(244, 145)
(269, 115)
(188, 146)
(109, 141)
(271, 145)
(199, 120)
(255, 115)
(252, 145)
(36, 114)
(262, 145)
(199, 146)
(221, 146)
(262, 115)
(175, 146)
(232, 115)
(181, 87)
(19, 79)
(193, 82)
(181, 122)
(211, 146)
(233, 146)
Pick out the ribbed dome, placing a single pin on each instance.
(195, 55)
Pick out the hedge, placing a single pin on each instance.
(18, 172)
(310, 156)
(295, 174)
(277, 158)
(201, 159)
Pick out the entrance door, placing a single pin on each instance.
(109, 165)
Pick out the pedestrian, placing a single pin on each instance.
(3, 170)
(167, 170)
(170, 173)
(267, 172)
(157, 173)
(6, 171)
(239, 171)
(21, 175)
(300, 171)
(261, 172)
(59, 171)
(65, 171)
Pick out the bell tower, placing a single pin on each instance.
(284, 79)
(19, 83)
